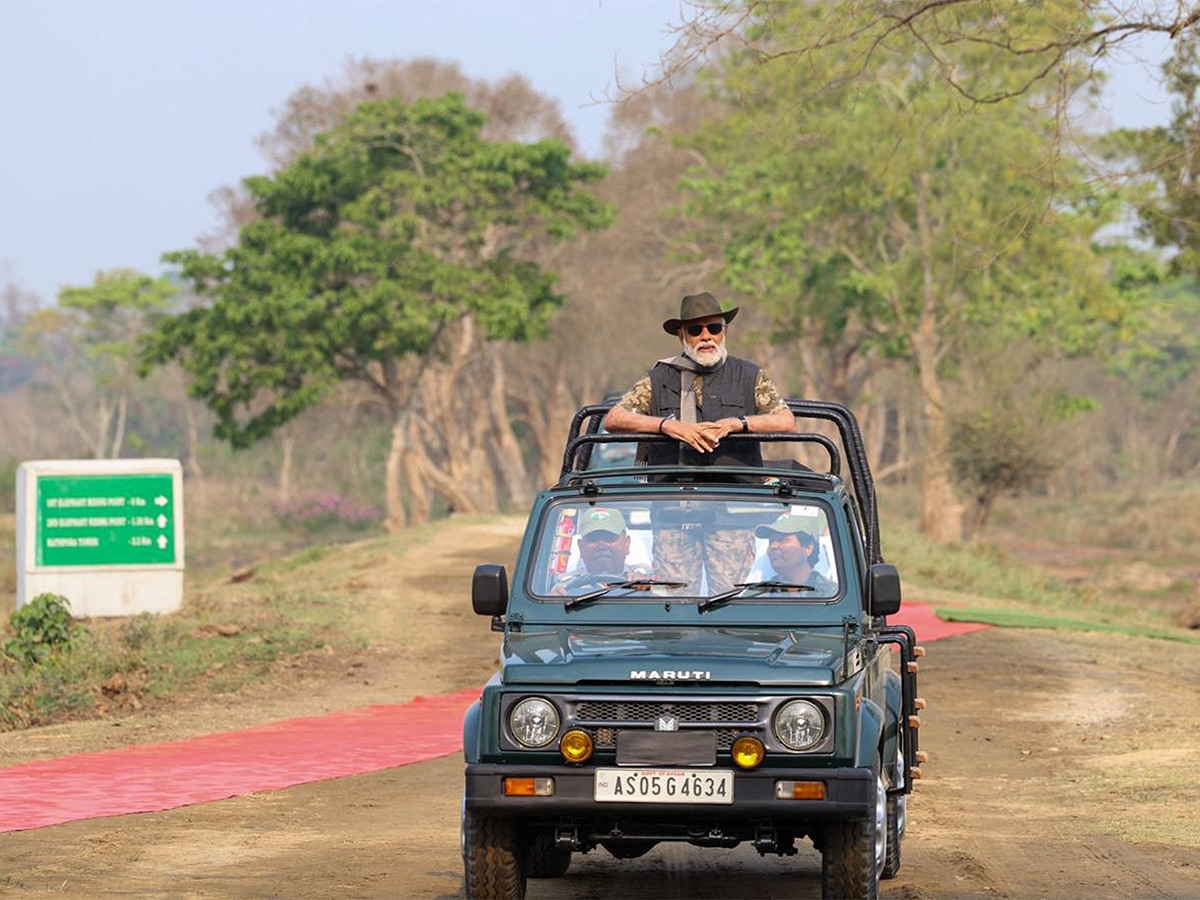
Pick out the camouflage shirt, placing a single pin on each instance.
(767, 398)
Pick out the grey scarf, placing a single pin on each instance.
(688, 370)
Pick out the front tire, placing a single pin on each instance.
(853, 853)
(494, 860)
(897, 816)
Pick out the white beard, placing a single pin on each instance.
(710, 359)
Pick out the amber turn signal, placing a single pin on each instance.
(748, 752)
(800, 790)
(576, 746)
(528, 787)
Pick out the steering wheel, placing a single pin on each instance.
(587, 579)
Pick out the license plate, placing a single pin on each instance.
(663, 786)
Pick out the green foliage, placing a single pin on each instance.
(992, 453)
(101, 321)
(400, 221)
(1168, 195)
(40, 627)
(1166, 354)
(88, 348)
(853, 189)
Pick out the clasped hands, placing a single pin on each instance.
(703, 436)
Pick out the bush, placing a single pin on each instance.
(320, 512)
(40, 626)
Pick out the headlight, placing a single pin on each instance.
(799, 725)
(533, 722)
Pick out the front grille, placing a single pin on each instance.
(606, 738)
(612, 712)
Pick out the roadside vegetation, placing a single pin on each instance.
(1119, 559)
(236, 627)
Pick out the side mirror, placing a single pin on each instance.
(883, 597)
(489, 590)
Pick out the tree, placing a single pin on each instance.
(1050, 42)
(88, 349)
(921, 218)
(400, 231)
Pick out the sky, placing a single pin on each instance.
(118, 118)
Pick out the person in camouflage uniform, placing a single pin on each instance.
(699, 398)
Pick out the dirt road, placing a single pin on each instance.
(1062, 766)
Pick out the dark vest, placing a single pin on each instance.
(728, 393)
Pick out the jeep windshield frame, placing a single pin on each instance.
(831, 542)
(584, 434)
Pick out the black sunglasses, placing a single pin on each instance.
(713, 328)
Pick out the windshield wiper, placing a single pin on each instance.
(634, 584)
(726, 596)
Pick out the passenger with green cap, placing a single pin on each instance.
(793, 552)
(700, 397)
(603, 546)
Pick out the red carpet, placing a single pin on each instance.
(921, 618)
(151, 777)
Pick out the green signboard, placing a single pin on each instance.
(105, 520)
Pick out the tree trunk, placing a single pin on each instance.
(504, 445)
(941, 510)
(285, 470)
(418, 491)
(119, 434)
(103, 422)
(395, 519)
(194, 469)
(874, 426)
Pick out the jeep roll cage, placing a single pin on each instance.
(580, 441)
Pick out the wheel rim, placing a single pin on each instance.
(880, 825)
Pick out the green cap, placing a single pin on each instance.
(601, 519)
(788, 523)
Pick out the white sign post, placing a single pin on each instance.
(106, 534)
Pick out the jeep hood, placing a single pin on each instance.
(684, 655)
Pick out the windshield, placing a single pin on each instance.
(697, 547)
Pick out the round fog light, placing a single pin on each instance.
(748, 752)
(575, 746)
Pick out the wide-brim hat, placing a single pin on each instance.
(698, 306)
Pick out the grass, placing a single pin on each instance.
(1015, 618)
(297, 606)
(1160, 520)
(1141, 591)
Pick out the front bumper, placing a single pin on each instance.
(849, 794)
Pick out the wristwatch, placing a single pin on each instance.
(745, 424)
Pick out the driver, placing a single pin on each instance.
(792, 552)
(603, 547)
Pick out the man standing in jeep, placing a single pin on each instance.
(700, 397)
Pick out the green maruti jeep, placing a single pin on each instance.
(694, 654)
